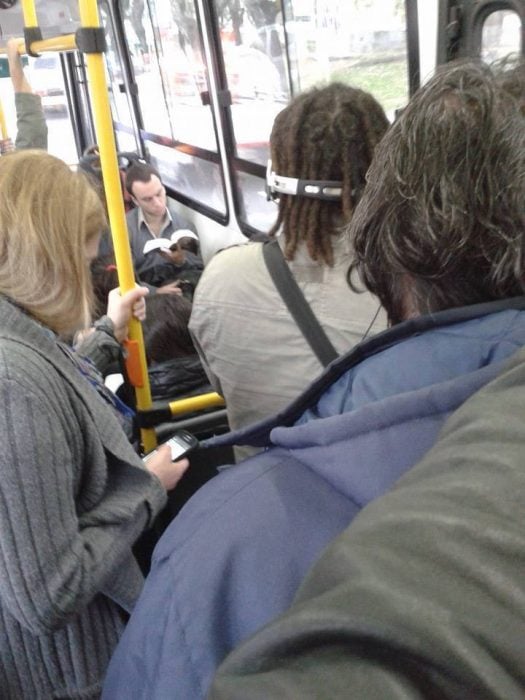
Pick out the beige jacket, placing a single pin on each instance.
(253, 352)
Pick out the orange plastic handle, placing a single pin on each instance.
(133, 364)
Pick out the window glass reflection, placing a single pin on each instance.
(191, 176)
(501, 35)
(257, 70)
(359, 42)
(268, 58)
(169, 71)
(258, 212)
(120, 106)
(171, 78)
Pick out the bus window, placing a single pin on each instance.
(362, 43)
(170, 73)
(120, 105)
(188, 173)
(273, 50)
(256, 65)
(501, 35)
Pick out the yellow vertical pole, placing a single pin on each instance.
(3, 125)
(28, 9)
(89, 18)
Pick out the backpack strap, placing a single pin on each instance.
(296, 303)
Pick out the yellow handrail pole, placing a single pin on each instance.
(29, 12)
(195, 403)
(59, 43)
(108, 157)
(3, 125)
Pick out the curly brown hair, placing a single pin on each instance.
(441, 222)
(327, 133)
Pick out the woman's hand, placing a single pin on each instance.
(169, 473)
(121, 307)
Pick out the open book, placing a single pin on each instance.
(167, 244)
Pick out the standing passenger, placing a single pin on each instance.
(439, 235)
(255, 354)
(74, 495)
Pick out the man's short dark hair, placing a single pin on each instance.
(441, 222)
(139, 172)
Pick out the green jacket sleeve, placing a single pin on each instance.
(30, 122)
(423, 596)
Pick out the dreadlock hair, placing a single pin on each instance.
(326, 133)
(441, 222)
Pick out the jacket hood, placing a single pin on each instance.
(402, 386)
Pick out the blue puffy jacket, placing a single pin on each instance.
(235, 556)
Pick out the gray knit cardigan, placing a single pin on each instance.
(74, 496)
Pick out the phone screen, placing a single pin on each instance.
(179, 445)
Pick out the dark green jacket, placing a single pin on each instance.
(423, 596)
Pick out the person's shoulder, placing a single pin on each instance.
(229, 270)
(132, 214)
(29, 372)
(15, 354)
(240, 253)
(205, 519)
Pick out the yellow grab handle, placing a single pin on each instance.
(195, 403)
(3, 125)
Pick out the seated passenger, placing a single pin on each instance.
(74, 494)
(422, 596)
(153, 218)
(439, 235)
(255, 355)
(174, 368)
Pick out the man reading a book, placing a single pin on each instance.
(158, 266)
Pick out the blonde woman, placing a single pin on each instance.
(74, 496)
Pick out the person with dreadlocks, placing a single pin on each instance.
(253, 350)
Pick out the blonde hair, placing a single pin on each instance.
(47, 216)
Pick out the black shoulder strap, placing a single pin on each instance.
(296, 304)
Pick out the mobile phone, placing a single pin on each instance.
(180, 443)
